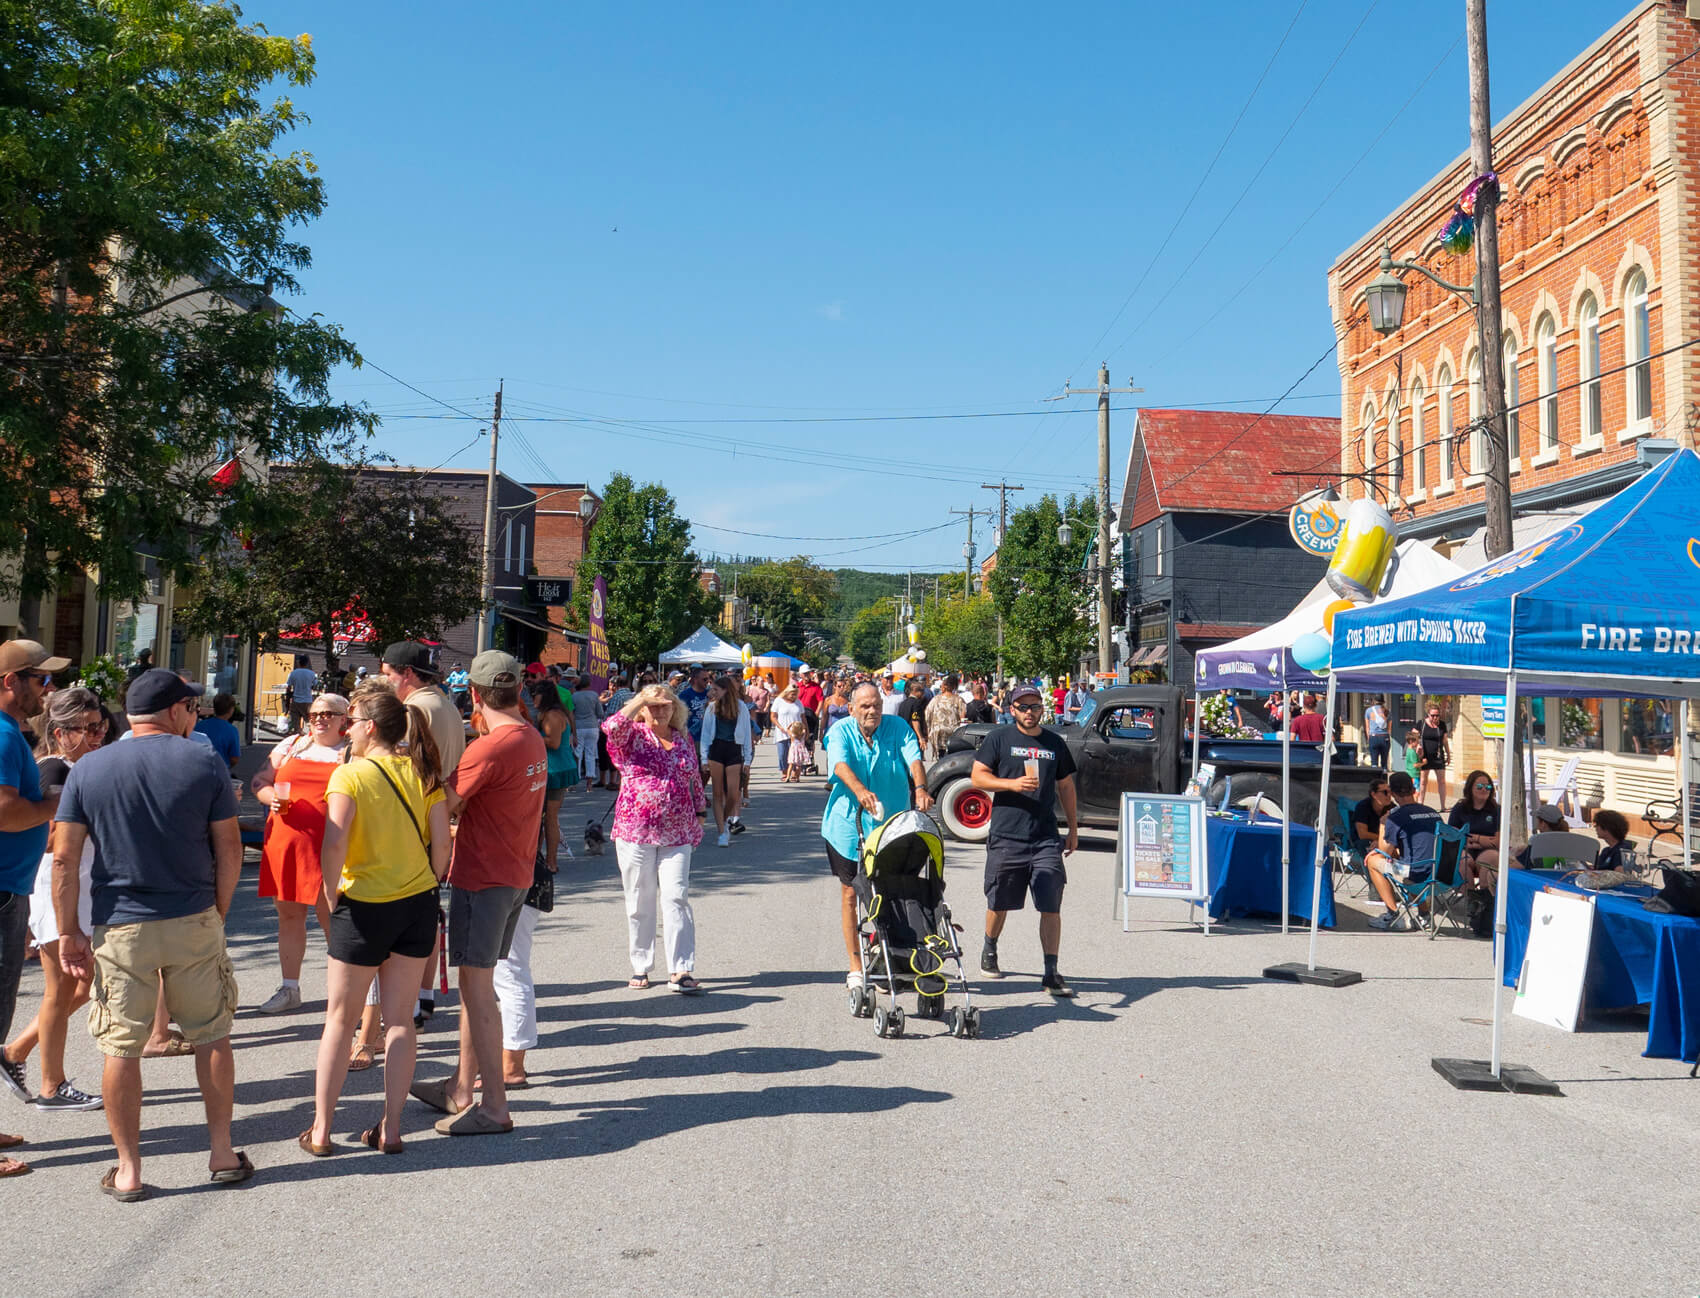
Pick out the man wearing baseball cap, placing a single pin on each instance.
(498, 792)
(1027, 769)
(24, 813)
(167, 856)
(409, 668)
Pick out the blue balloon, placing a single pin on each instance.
(1313, 652)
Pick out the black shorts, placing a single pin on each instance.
(726, 752)
(367, 933)
(843, 868)
(1015, 869)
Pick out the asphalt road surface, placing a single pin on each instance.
(1184, 1127)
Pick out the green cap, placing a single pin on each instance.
(494, 669)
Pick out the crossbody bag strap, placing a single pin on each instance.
(406, 805)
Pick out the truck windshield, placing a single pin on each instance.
(1087, 710)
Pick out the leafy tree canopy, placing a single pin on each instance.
(789, 600)
(642, 548)
(1038, 587)
(868, 637)
(341, 545)
(146, 217)
(961, 635)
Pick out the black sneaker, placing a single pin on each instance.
(67, 1099)
(422, 1015)
(1054, 984)
(735, 825)
(13, 1076)
(989, 964)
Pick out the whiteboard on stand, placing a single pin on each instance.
(1555, 963)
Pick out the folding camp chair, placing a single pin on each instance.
(1423, 882)
(1348, 858)
(1561, 850)
(1447, 884)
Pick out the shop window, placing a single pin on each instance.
(1647, 726)
(1447, 425)
(1546, 365)
(1419, 473)
(1589, 336)
(1639, 344)
(1580, 725)
(1395, 455)
(1513, 420)
(1478, 405)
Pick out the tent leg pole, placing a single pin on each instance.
(1687, 798)
(1286, 823)
(1197, 731)
(1322, 818)
(1500, 889)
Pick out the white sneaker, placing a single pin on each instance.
(283, 1000)
(853, 979)
(725, 839)
(1387, 920)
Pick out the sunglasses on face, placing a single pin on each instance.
(93, 728)
(323, 716)
(1032, 705)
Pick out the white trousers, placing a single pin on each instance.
(516, 994)
(584, 748)
(646, 871)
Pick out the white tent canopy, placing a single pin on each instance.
(703, 646)
(908, 666)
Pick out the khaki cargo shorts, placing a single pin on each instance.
(130, 959)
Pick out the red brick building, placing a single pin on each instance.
(557, 548)
(1600, 273)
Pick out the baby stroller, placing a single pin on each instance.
(903, 927)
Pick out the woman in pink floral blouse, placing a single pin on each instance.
(655, 828)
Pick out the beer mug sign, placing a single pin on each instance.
(1360, 561)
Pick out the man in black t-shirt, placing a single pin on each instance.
(1407, 837)
(1366, 816)
(980, 712)
(913, 710)
(1027, 769)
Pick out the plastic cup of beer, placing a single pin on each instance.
(1032, 767)
(282, 787)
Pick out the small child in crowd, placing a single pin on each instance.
(797, 760)
(1413, 751)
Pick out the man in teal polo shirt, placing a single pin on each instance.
(872, 766)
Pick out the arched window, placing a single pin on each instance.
(1546, 370)
(1395, 452)
(1478, 437)
(1366, 442)
(1444, 433)
(1419, 473)
(1513, 422)
(1588, 331)
(1638, 343)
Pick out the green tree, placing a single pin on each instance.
(344, 544)
(146, 218)
(642, 548)
(1038, 587)
(790, 600)
(960, 636)
(867, 639)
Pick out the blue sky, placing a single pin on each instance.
(700, 242)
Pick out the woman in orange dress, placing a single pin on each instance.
(293, 784)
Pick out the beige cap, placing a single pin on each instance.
(27, 655)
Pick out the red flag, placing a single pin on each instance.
(227, 475)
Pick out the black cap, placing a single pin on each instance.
(157, 689)
(409, 653)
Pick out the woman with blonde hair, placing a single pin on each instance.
(386, 849)
(656, 828)
(293, 785)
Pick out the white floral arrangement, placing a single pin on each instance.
(1217, 715)
(104, 676)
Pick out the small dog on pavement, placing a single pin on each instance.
(593, 839)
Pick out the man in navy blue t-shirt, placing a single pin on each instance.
(1407, 837)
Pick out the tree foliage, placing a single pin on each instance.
(146, 215)
(961, 635)
(867, 639)
(375, 544)
(1039, 587)
(642, 548)
(790, 600)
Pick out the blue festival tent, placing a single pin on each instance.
(1608, 605)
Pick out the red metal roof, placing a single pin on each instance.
(1215, 630)
(1220, 460)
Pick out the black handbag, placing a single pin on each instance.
(1681, 891)
(541, 898)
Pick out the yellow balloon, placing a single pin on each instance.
(1338, 606)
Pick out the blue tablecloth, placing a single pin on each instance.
(1245, 869)
(1636, 957)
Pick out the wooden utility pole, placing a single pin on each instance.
(1003, 489)
(1497, 488)
(487, 597)
(1102, 391)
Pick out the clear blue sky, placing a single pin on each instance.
(660, 218)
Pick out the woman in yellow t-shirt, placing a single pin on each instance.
(386, 850)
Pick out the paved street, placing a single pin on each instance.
(1184, 1127)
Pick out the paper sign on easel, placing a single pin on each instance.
(1555, 963)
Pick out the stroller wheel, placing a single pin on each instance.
(894, 1023)
(953, 1022)
(929, 1007)
(855, 995)
(882, 1020)
(971, 1023)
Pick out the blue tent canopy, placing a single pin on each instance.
(1610, 605)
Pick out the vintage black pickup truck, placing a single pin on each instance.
(1130, 739)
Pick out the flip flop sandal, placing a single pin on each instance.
(305, 1140)
(436, 1095)
(243, 1171)
(473, 1122)
(109, 1185)
(10, 1142)
(686, 985)
(361, 1058)
(174, 1048)
(639, 982)
(12, 1167)
(369, 1138)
